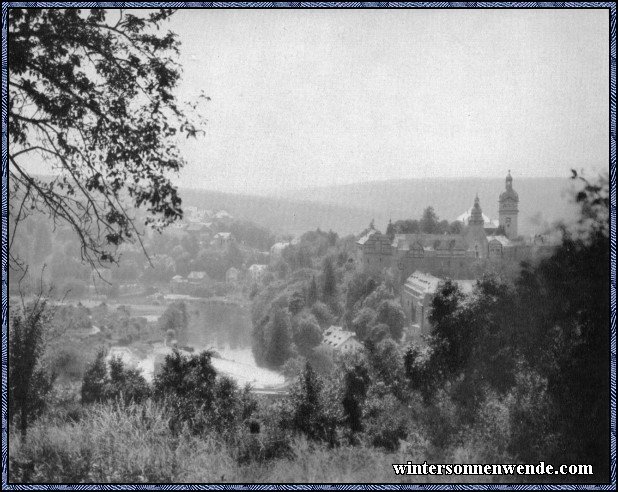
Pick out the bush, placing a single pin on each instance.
(189, 387)
(118, 384)
(30, 381)
(387, 422)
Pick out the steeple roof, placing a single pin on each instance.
(476, 215)
(509, 192)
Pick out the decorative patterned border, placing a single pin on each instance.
(612, 154)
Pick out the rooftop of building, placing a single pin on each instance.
(437, 242)
(428, 284)
(335, 336)
(367, 236)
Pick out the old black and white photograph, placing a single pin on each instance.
(304, 245)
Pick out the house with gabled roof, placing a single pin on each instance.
(337, 339)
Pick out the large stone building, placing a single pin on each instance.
(481, 245)
(416, 296)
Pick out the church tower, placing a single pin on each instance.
(475, 234)
(508, 208)
(476, 214)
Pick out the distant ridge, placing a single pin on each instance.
(541, 200)
(347, 209)
(281, 215)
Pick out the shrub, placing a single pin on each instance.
(387, 422)
(29, 380)
(189, 387)
(118, 383)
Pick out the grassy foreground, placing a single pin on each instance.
(110, 443)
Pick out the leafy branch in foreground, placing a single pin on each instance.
(91, 97)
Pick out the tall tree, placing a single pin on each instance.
(312, 292)
(564, 328)
(307, 335)
(91, 95)
(429, 222)
(29, 381)
(306, 397)
(391, 314)
(175, 319)
(329, 279)
(356, 383)
(280, 342)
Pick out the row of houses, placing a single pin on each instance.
(200, 279)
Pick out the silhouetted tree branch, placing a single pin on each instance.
(93, 100)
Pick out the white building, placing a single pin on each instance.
(339, 340)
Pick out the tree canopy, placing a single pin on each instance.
(91, 98)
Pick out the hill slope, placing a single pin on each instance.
(541, 200)
(348, 209)
(281, 215)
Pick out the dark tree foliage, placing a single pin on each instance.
(329, 279)
(407, 227)
(363, 322)
(543, 341)
(95, 379)
(429, 222)
(297, 303)
(449, 341)
(307, 335)
(359, 287)
(259, 344)
(308, 412)
(113, 382)
(29, 382)
(91, 94)
(187, 385)
(176, 319)
(197, 397)
(126, 384)
(474, 338)
(280, 339)
(378, 332)
(252, 235)
(356, 383)
(391, 314)
(312, 292)
(456, 227)
(569, 292)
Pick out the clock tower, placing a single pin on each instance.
(508, 208)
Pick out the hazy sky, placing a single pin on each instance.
(318, 97)
(304, 98)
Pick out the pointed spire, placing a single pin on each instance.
(476, 216)
(509, 180)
